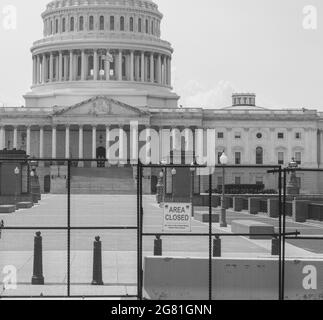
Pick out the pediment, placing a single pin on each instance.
(101, 106)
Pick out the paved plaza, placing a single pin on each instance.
(119, 246)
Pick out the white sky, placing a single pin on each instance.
(220, 46)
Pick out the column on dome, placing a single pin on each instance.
(165, 70)
(28, 131)
(80, 146)
(169, 71)
(152, 71)
(159, 69)
(15, 137)
(56, 59)
(43, 68)
(95, 65)
(107, 66)
(120, 65)
(93, 145)
(54, 142)
(34, 69)
(38, 70)
(51, 66)
(67, 142)
(60, 66)
(83, 67)
(131, 66)
(41, 142)
(71, 66)
(142, 67)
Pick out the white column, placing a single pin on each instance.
(2, 137)
(169, 71)
(34, 69)
(174, 139)
(28, 141)
(71, 66)
(131, 66)
(83, 65)
(93, 145)
(51, 66)
(159, 77)
(121, 145)
(107, 66)
(38, 79)
(60, 66)
(41, 142)
(43, 68)
(15, 137)
(120, 66)
(81, 145)
(54, 141)
(95, 65)
(152, 71)
(246, 157)
(107, 142)
(67, 142)
(142, 67)
(65, 67)
(199, 145)
(134, 142)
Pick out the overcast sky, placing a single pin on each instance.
(220, 46)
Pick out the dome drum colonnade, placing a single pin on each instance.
(82, 26)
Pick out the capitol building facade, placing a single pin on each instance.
(102, 67)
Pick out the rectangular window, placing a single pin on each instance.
(220, 135)
(298, 135)
(280, 157)
(112, 23)
(298, 157)
(237, 157)
(237, 180)
(237, 135)
(280, 135)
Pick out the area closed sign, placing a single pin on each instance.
(177, 217)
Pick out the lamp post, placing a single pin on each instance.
(173, 175)
(224, 161)
(16, 172)
(192, 169)
(160, 187)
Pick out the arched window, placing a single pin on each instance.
(64, 25)
(131, 24)
(139, 25)
(101, 23)
(81, 24)
(112, 23)
(152, 27)
(91, 23)
(259, 155)
(56, 26)
(72, 24)
(147, 26)
(121, 23)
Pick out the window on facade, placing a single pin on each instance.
(259, 180)
(121, 23)
(220, 135)
(56, 26)
(298, 135)
(280, 135)
(237, 135)
(91, 23)
(237, 180)
(131, 24)
(63, 25)
(101, 23)
(81, 24)
(298, 157)
(237, 158)
(139, 25)
(147, 26)
(280, 157)
(112, 23)
(72, 24)
(259, 156)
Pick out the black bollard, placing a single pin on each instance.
(158, 246)
(97, 262)
(217, 247)
(275, 245)
(38, 278)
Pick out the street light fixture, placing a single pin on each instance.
(173, 174)
(224, 161)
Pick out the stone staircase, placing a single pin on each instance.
(112, 180)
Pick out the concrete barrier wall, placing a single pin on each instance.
(233, 279)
